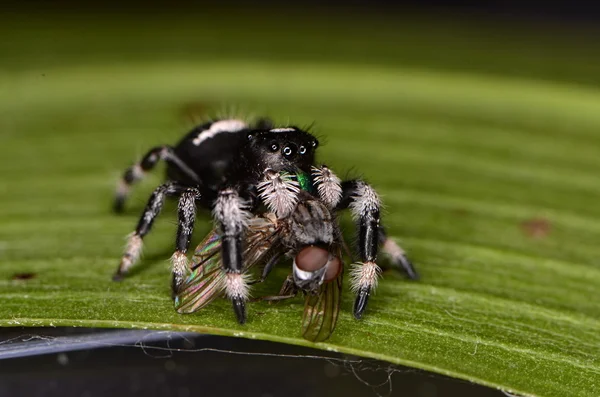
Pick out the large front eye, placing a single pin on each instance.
(287, 151)
(301, 150)
(274, 147)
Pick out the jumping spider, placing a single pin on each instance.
(237, 170)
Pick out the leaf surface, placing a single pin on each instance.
(490, 182)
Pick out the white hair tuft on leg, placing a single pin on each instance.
(179, 266)
(231, 210)
(364, 275)
(133, 252)
(236, 286)
(365, 201)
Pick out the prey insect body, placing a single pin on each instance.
(239, 171)
(309, 235)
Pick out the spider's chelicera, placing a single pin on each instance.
(239, 171)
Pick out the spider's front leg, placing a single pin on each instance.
(365, 205)
(231, 214)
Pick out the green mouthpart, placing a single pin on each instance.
(305, 181)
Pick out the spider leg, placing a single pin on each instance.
(231, 214)
(364, 204)
(155, 203)
(186, 219)
(397, 255)
(137, 171)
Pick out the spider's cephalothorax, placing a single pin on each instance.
(236, 170)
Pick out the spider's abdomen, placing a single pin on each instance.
(209, 150)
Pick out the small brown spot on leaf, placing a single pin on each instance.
(536, 227)
(23, 276)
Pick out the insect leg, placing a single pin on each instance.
(364, 204)
(134, 241)
(397, 255)
(187, 217)
(137, 171)
(231, 214)
(268, 267)
(288, 290)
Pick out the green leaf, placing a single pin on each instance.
(491, 183)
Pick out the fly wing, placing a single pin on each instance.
(321, 310)
(207, 278)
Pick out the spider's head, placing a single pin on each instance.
(282, 149)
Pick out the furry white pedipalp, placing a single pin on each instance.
(279, 192)
(328, 185)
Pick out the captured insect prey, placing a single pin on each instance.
(260, 182)
(309, 235)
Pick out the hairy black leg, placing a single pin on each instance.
(138, 170)
(134, 242)
(230, 212)
(397, 255)
(364, 204)
(186, 219)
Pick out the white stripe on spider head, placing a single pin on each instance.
(217, 127)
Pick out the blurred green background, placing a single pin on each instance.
(480, 132)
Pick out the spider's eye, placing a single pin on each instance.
(287, 151)
(315, 143)
(250, 136)
(301, 150)
(274, 147)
